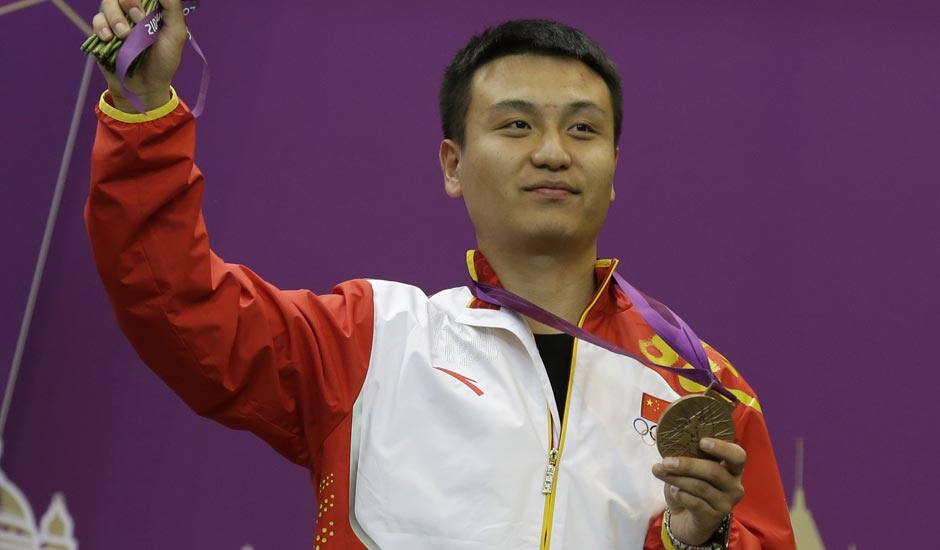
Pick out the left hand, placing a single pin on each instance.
(699, 492)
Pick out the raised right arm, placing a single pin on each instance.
(286, 365)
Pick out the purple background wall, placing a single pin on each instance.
(794, 147)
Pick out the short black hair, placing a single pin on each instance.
(520, 36)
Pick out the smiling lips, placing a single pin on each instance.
(551, 189)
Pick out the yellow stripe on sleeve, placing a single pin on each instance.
(137, 118)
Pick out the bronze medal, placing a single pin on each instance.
(688, 419)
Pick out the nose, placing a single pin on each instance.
(551, 153)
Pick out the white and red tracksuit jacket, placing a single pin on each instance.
(426, 422)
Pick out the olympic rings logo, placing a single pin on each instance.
(646, 431)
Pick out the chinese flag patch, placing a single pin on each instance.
(653, 407)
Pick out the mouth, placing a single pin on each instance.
(552, 189)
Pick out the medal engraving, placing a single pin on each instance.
(688, 420)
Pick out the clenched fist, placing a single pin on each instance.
(151, 81)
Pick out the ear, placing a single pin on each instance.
(450, 166)
(613, 192)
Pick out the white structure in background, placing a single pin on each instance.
(804, 526)
(17, 525)
(18, 529)
(56, 528)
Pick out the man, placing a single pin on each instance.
(442, 421)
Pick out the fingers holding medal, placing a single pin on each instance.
(702, 466)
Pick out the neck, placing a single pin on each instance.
(562, 283)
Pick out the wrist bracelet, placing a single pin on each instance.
(718, 540)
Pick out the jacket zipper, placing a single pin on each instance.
(549, 480)
(555, 452)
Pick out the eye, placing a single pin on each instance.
(583, 127)
(518, 125)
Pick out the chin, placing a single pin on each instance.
(551, 237)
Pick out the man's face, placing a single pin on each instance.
(537, 166)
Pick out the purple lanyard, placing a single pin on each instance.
(669, 326)
(142, 36)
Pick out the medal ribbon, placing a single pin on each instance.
(669, 326)
(142, 36)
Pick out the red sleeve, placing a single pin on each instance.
(761, 520)
(286, 365)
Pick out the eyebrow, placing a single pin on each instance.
(532, 109)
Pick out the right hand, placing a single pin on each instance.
(151, 82)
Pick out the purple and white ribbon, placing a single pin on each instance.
(142, 36)
(669, 326)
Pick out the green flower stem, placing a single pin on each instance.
(107, 52)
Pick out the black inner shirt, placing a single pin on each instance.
(555, 350)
